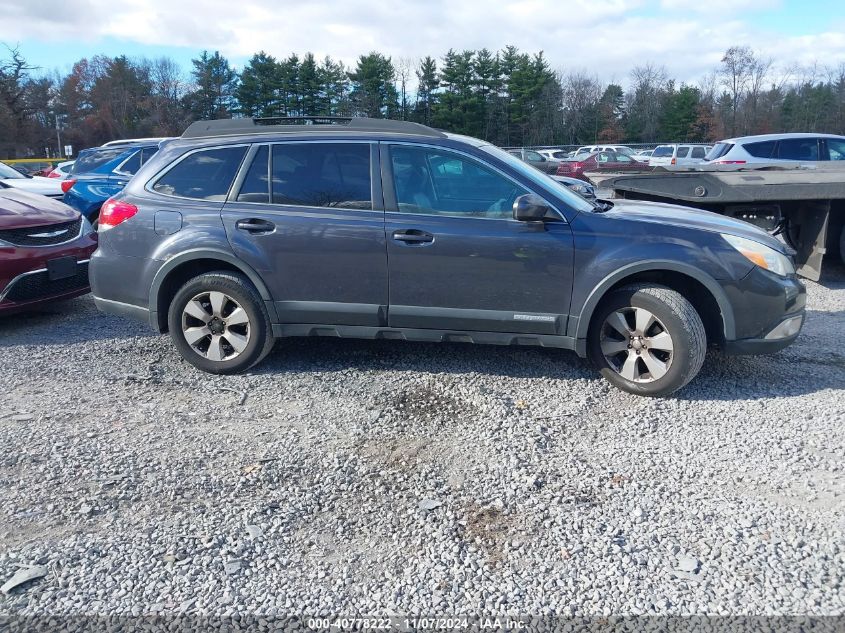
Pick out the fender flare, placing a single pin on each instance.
(596, 295)
(207, 253)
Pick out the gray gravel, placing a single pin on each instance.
(379, 477)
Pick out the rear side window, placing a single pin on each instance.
(798, 149)
(836, 149)
(203, 175)
(683, 152)
(663, 151)
(698, 152)
(256, 185)
(321, 175)
(761, 149)
(97, 158)
(130, 165)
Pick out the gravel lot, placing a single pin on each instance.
(373, 477)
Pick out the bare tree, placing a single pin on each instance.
(736, 72)
(405, 67)
(579, 98)
(645, 100)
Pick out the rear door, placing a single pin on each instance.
(309, 216)
(457, 258)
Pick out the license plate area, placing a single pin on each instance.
(61, 268)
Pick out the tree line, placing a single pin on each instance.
(507, 97)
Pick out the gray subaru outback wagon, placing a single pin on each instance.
(245, 230)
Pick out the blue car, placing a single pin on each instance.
(101, 172)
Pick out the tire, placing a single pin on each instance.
(663, 346)
(219, 323)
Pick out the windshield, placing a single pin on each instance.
(662, 151)
(625, 151)
(572, 199)
(719, 150)
(9, 172)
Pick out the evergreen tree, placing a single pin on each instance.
(373, 91)
(259, 86)
(427, 85)
(216, 83)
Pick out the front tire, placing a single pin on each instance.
(219, 323)
(647, 340)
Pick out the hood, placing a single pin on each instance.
(36, 184)
(687, 217)
(20, 209)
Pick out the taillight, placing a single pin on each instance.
(113, 212)
(52, 174)
(67, 185)
(674, 162)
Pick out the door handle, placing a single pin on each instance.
(256, 226)
(413, 236)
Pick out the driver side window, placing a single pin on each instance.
(435, 182)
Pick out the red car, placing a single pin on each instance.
(44, 250)
(598, 161)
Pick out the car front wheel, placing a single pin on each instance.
(647, 340)
(219, 323)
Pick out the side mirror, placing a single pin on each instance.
(530, 208)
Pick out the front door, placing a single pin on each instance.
(308, 216)
(457, 259)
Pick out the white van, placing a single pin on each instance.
(678, 154)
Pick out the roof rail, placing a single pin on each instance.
(275, 125)
(132, 141)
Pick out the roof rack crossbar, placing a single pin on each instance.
(267, 125)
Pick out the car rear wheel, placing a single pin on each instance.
(219, 323)
(647, 340)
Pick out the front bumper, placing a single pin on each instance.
(24, 279)
(779, 337)
(768, 312)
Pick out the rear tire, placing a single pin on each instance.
(647, 340)
(219, 323)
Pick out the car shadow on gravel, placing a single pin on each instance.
(812, 364)
(327, 355)
(67, 323)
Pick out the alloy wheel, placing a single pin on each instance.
(216, 326)
(636, 344)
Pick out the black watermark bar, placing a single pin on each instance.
(457, 624)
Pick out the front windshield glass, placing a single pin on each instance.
(9, 172)
(572, 199)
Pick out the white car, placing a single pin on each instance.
(553, 154)
(643, 155)
(592, 149)
(678, 154)
(62, 170)
(12, 178)
(778, 148)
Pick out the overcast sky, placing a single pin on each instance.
(604, 37)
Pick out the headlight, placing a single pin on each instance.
(761, 255)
